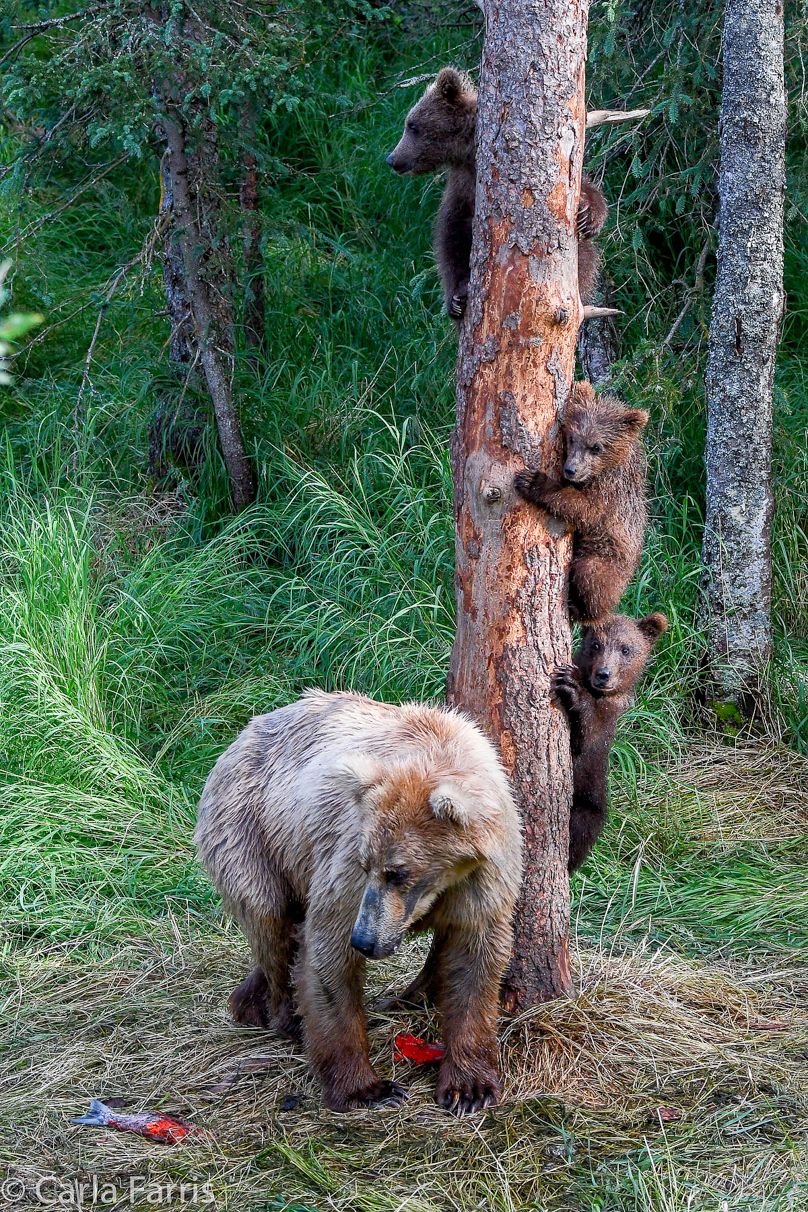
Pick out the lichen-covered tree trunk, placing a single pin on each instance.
(210, 309)
(747, 310)
(599, 340)
(515, 369)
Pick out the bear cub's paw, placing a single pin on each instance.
(373, 1094)
(457, 305)
(464, 1093)
(565, 684)
(530, 484)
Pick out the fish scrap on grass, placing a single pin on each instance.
(164, 1129)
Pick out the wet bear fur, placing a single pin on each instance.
(333, 826)
(595, 691)
(601, 493)
(439, 133)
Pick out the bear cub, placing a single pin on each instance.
(601, 493)
(595, 691)
(331, 828)
(439, 132)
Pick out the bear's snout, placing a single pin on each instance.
(389, 160)
(374, 933)
(362, 941)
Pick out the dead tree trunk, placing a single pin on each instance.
(747, 310)
(515, 368)
(212, 330)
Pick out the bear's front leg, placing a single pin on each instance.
(532, 485)
(330, 988)
(468, 977)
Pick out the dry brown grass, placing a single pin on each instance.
(586, 1082)
(727, 796)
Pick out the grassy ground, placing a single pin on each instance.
(140, 628)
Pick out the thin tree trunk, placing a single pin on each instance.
(254, 318)
(180, 341)
(212, 332)
(599, 340)
(515, 368)
(747, 310)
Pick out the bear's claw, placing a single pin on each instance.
(378, 1092)
(529, 484)
(457, 306)
(565, 683)
(465, 1093)
(460, 1102)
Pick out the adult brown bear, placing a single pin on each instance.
(331, 827)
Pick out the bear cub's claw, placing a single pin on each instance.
(457, 306)
(529, 484)
(565, 683)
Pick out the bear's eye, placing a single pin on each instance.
(396, 878)
(596, 449)
(413, 129)
(596, 646)
(625, 650)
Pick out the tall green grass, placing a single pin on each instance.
(141, 629)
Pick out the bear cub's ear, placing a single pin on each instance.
(448, 804)
(583, 395)
(653, 626)
(449, 84)
(633, 420)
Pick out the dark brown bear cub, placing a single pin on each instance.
(601, 493)
(439, 133)
(595, 691)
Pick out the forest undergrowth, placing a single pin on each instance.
(141, 626)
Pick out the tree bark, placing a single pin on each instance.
(212, 329)
(254, 318)
(515, 369)
(747, 310)
(599, 340)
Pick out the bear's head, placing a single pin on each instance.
(439, 129)
(425, 831)
(599, 434)
(614, 651)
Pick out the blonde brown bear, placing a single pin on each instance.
(331, 827)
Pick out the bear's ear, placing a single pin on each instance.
(449, 804)
(448, 85)
(633, 420)
(653, 626)
(583, 396)
(357, 773)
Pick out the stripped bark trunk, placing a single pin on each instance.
(515, 369)
(747, 310)
(212, 323)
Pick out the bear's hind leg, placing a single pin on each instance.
(596, 587)
(419, 992)
(587, 819)
(265, 999)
